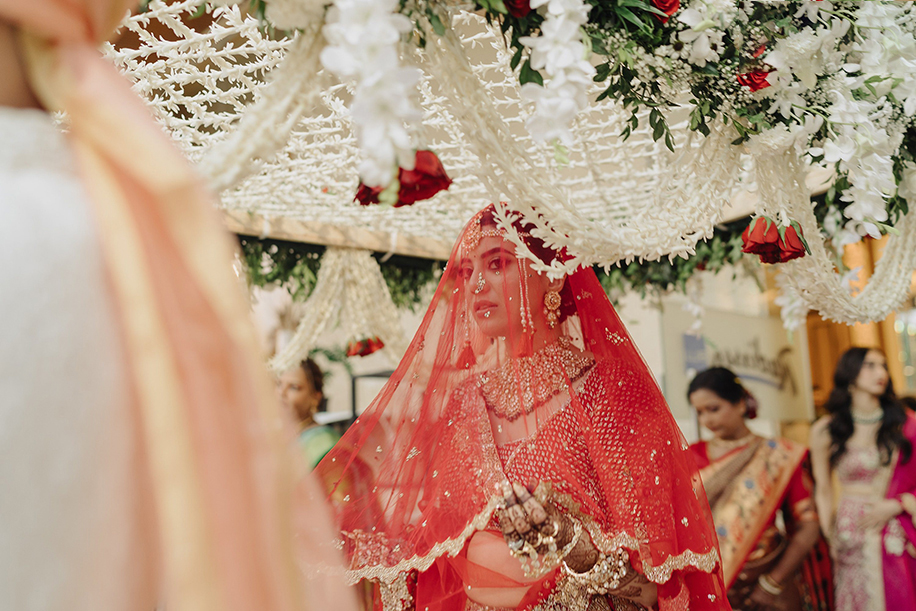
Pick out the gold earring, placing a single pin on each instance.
(552, 303)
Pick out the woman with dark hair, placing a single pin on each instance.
(522, 456)
(865, 443)
(748, 481)
(301, 394)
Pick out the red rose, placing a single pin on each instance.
(367, 195)
(793, 244)
(754, 80)
(365, 347)
(517, 8)
(762, 237)
(427, 178)
(668, 7)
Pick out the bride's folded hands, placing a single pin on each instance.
(541, 531)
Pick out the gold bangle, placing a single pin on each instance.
(769, 586)
(537, 566)
(604, 576)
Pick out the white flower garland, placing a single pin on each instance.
(351, 292)
(490, 152)
(363, 38)
(505, 168)
(864, 135)
(707, 20)
(559, 51)
(811, 281)
(266, 125)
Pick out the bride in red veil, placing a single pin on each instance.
(522, 456)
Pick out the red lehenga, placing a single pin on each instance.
(417, 476)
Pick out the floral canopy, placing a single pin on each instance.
(620, 128)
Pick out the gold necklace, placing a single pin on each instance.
(730, 444)
(520, 385)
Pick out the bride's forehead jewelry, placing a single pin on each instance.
(476, 232)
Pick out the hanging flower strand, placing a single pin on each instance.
(560, 51)
(363, 37)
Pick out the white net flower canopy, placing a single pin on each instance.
(204, 75)
(272, 132)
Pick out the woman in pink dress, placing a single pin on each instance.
(865, 444)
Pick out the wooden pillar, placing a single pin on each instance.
(860, 255)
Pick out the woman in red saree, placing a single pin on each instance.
(748, 480)
(513, 380)
(865, 445)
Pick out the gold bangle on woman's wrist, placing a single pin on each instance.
(535, 564)
(605, 575)
(769, 586)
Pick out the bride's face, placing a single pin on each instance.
(492, 274)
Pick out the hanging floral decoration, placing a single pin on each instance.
(791, 85)
(365, 347)
(427, 178)
(772, 242)
(350, 294)
(839, 77)
(801, 84)
(362, 47)
(294, 266)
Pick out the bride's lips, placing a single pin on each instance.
(483, 306)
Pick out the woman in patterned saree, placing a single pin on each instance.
(749, 480)
(522, 456)
(865, 445)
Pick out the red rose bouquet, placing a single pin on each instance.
(773, 243)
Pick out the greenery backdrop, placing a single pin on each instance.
(294, 266)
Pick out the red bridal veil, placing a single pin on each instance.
(505, 380)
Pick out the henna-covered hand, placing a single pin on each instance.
(524, 518)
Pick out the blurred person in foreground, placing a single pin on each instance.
(301, 390)
(142, 458)
(522, 456)
(865, 446)
(751, 481)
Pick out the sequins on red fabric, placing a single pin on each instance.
(419, 473)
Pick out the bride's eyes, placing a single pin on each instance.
(465, 272)
(499, 263)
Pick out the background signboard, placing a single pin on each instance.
(773, 367)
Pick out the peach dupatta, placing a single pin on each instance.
(221, 472)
